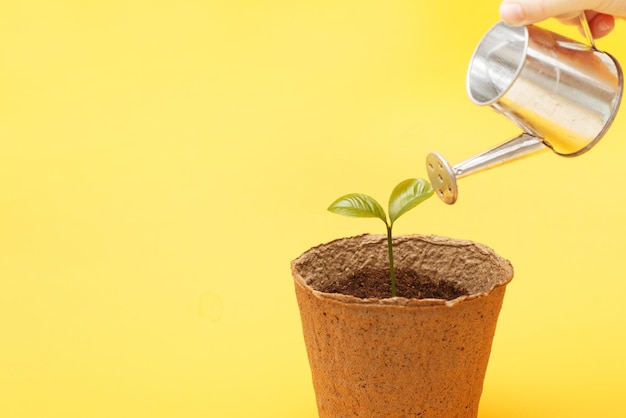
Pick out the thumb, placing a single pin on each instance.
(525, 12)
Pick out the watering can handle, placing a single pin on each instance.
(585, 25)
(443, 176)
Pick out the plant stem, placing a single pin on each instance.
(392, 272)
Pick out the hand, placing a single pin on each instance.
(600, 14)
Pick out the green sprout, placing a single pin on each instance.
(404, 197)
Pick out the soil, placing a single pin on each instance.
(409, 284)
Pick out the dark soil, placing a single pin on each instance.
(409, 284)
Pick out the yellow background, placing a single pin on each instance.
(161, 162)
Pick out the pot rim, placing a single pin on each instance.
(399, 301)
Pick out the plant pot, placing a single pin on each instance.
(398, 357)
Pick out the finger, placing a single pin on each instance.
(601, 25)
(574, 19)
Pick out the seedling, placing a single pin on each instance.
(404, 197)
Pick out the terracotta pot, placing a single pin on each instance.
(400, 357)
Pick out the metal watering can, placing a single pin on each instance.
(563, 95)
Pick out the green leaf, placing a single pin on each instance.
(406, 195)
(358, 205)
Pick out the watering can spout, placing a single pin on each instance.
(443, 177)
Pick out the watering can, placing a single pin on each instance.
(563, 94)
